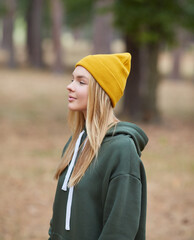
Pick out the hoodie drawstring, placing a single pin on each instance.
(66, 180)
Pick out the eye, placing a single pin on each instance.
(82, 83)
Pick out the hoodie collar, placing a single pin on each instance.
(132, 130)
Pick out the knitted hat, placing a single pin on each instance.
(110, 71)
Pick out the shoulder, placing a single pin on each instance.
(121, 143)
(119, 155)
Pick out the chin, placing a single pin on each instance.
(74, 109)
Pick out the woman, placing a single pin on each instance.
(101, 192)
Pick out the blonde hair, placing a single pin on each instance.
(99, 111)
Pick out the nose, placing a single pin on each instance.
(70, 87)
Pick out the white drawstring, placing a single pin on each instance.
(70, 168)
(66, 180)
(68, 208)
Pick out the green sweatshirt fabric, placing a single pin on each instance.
(109, 203)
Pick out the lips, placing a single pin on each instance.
(71, 98)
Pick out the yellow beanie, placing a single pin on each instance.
(110, 71)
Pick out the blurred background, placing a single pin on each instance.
(40, 42)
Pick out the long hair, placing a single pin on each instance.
(99, 112)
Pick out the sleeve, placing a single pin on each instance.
(122, 208)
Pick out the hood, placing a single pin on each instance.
(132, 130)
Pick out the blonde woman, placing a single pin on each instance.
(101, 192)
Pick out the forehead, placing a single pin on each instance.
(81, 71)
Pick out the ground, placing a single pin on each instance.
(34, 129)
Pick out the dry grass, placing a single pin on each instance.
(33, 131)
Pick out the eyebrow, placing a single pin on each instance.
(80, 76)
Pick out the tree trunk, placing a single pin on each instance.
(140, 98)
(102, 28)
(76, 33)
(57, 15)
(150, 81)
(8, 26)
(176, 60)
(131, 104)
(34, 28)
(177, 53)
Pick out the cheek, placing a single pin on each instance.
(85, 95)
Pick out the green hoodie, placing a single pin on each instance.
(109, 203)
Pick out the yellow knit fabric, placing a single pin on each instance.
(110, 71)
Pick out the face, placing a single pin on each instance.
(78, 90)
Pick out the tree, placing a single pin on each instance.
(57, 13)
(102, 27)
(82, 12)
(177, 54)
(43, 19)
(147, 24)
(34, 32)
(78, 12)
(8, 11)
